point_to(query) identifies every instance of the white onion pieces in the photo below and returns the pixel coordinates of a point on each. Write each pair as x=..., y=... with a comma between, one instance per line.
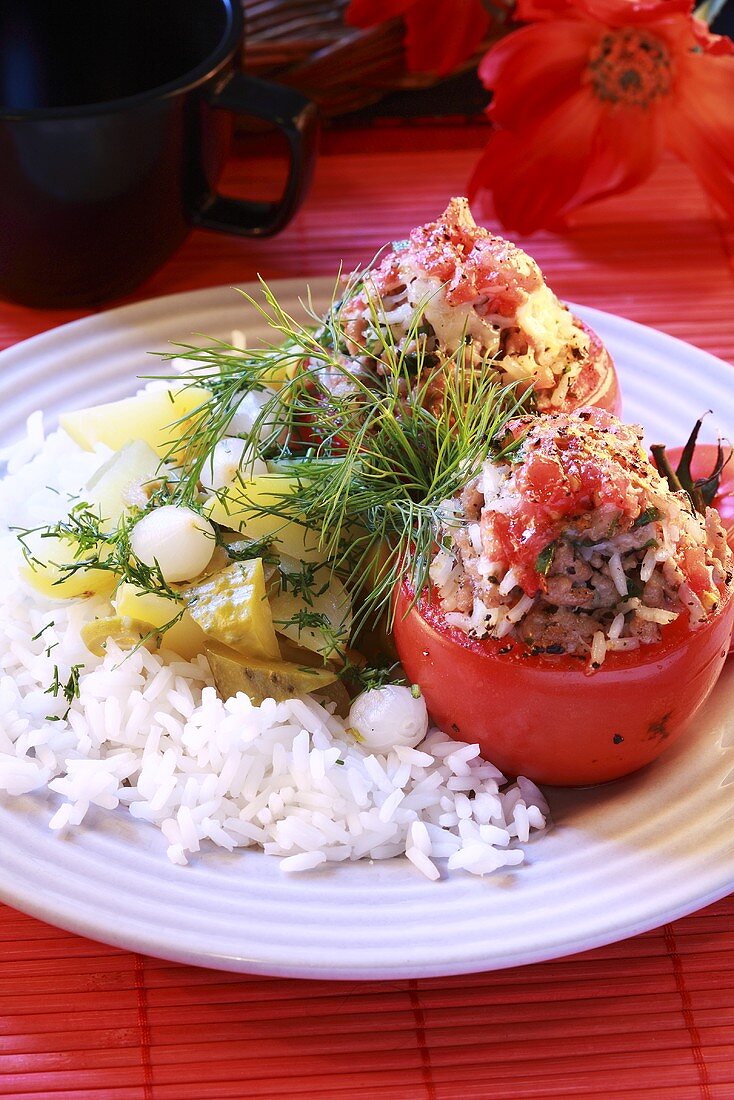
x=178, y=539
x=389, y=716
x=230, y=457
x=250, y=411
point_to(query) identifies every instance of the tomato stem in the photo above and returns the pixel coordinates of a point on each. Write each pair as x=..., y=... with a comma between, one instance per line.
x=702, y=490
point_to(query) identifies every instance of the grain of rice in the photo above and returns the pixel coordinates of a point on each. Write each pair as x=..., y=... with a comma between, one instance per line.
x=656, y=615
x=494, y=835
x=520, y=609
x=508, y=582
x=389, y=806
x=304, y=861
x=616, y=627
x=423, y=863
x=532, y=795
x=420, y=837
x=598, y=649
x=617, y=573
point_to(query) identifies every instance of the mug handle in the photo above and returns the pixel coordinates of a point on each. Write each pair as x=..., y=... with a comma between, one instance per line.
x=297, y=117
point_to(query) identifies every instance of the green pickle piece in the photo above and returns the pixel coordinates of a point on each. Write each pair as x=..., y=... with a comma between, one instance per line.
x=231, y=606
x=262, y=678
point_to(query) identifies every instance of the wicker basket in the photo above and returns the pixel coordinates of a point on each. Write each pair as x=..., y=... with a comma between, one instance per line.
x=305, y=43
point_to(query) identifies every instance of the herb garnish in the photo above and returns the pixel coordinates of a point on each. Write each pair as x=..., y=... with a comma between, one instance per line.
x=374, y=456
x=544, y=560
x=69, y=690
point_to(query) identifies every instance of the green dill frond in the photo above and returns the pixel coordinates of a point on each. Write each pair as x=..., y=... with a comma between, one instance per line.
x=379, y=431
x=68, y=689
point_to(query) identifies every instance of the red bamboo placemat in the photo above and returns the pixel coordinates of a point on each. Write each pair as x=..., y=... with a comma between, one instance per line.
x=650, y=1017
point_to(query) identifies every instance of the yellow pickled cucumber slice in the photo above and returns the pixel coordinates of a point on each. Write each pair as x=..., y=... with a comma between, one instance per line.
x=232, y=607
x=126, y=633
x=123, y=482
x=262, y=679
x=312, y=607
x=46, y=571
x=237, y=509
x=184, y=637
x=151, y=416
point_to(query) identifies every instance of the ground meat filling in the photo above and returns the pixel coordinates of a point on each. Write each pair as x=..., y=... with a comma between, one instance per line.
x=454, y=285
x=577, y=545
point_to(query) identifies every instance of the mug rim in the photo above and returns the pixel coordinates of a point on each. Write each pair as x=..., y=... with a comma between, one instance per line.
x=189, y=80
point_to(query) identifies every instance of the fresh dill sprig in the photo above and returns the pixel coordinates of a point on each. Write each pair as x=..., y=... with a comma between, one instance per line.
x=43, y=630
x=246, y=549
x=379, y=431
x=302, y=582
x=230, y=373
x=383, y=455
x=373, y=676
x=69, y=689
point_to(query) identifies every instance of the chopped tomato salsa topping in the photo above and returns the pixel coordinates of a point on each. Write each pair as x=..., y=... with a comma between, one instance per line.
x=471, y=261
x=569, y=467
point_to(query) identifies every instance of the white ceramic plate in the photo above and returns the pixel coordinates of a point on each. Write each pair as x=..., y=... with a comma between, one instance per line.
x=618, y=859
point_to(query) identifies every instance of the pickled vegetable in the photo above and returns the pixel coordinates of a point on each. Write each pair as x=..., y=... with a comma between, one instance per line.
x=262, y=679
x=231, y=607
x=238, y=508
x=126, y=633
x=47, y=571
x=123, y=482
x=152, y=416
x=184, y=637
x=311, y=606
x=335, y=693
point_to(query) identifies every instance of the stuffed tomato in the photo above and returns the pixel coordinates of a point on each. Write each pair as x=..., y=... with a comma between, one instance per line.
x=579, y=611
x=455, y=296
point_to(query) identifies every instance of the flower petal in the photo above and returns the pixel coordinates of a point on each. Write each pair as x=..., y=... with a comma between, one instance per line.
x=632, y=13
x=442, y=33
x=532, y=11
x=612, y=13
x=700, y=122
x=627, y=148
x=535, y=176
x=534, y=69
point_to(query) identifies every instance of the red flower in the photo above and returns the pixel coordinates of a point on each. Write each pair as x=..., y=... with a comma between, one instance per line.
x=439, y=34
x=589, y=93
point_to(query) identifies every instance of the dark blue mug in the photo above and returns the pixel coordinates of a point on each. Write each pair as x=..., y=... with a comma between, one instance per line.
x=116, y=118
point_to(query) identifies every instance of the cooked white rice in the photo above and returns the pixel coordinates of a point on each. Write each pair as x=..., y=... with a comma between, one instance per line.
x=148, y=733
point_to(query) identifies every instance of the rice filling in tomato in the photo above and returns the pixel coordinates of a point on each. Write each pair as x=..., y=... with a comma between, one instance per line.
x=576, y=544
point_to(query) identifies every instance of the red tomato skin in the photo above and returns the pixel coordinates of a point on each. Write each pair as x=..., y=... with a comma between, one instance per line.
x=546, y=717
x=598, y=384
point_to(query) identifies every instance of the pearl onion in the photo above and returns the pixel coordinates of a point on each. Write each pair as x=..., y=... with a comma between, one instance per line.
x=249, y=408
x=230, y=457
x=389, y=716
x=177, y=538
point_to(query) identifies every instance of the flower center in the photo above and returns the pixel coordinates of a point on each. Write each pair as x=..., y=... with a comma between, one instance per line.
x=630, y=67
